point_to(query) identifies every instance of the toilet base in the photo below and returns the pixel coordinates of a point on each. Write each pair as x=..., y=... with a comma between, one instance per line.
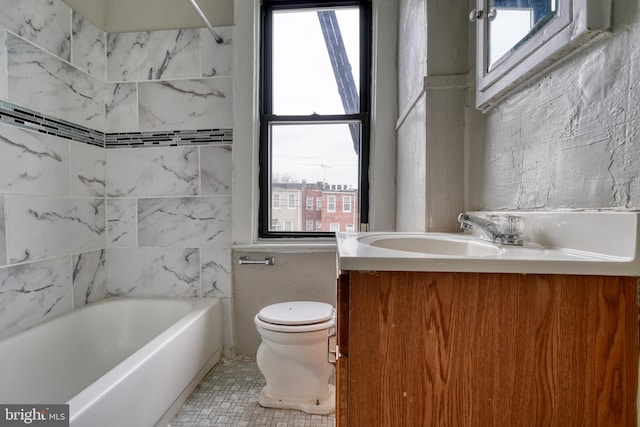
x=315, y=407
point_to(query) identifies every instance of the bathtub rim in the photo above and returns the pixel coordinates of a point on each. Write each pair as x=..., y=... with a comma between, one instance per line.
x=83, y=401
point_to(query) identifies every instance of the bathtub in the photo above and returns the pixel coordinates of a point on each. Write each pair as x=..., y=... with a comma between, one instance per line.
x=117, y=362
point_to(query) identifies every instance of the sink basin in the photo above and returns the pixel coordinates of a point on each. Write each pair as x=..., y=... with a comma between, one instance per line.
x=432, y=245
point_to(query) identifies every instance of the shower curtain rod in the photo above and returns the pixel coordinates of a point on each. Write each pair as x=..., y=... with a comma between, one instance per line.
x=206, y=21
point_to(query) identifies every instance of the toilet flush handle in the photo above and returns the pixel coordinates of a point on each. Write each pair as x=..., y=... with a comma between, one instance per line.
x=332, y=348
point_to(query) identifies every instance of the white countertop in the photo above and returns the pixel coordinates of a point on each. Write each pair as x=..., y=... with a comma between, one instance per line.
x=591, y=243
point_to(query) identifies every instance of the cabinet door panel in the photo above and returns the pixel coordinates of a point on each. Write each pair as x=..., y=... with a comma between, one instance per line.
x=438, y=349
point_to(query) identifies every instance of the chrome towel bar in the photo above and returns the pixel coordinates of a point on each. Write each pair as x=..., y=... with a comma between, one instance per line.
x=245, y=260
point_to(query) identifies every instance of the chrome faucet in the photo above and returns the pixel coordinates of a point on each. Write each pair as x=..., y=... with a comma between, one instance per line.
x=490, y=230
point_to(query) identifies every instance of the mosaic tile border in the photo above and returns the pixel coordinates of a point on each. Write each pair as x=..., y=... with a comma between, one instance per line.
x=32, y=120
x=169, y=138
x=28, y=119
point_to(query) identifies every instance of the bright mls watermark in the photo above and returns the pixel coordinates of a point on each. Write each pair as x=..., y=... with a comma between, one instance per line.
x=34, y=415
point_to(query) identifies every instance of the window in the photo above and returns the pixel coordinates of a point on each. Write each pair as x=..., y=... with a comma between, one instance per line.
x=309, y=225
x=274, y=224
x=318, y=226
x=331, y=203
x=292, y=201
x=349, y=228
x=334, y=226
x=288, y=226
x=346, y=203
x=314, y=103
x=276, y=202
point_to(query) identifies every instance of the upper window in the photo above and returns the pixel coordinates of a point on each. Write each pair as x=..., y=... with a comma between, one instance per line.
x=314, y=109
x=346, y=203
x=331, y=204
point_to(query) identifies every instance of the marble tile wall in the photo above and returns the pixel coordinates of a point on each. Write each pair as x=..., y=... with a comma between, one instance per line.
x=172, y=104
x=42, y=227
x=121, y=107
x=46, y=84
x=89, y=278
x=33, y=293
x=166, y=80
x=42, y=43
x=45, y=23
x=152, y=55
x=3, y=240
x=57, y=63
x=217, y=57
x=169, y=223
x=169, y=208
x=3, y=72
x=88, y=47
x=52, y=188
x=78, y=222
x=52, y=226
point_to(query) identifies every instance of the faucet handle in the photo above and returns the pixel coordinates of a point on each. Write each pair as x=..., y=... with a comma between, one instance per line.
x=465, y=226
x=512, y=225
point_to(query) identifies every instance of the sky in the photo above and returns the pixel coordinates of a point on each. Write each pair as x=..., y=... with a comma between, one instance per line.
x=303, y=84
x=506, y=30
x=509, y=26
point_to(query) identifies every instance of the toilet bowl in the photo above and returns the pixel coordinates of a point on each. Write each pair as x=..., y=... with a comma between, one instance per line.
x=293, y=356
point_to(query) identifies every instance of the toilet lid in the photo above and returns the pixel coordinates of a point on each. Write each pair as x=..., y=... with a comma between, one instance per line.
x=296, y=313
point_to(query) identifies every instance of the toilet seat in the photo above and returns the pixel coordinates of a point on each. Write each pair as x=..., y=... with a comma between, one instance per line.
x=296, y=316
x=296, y=313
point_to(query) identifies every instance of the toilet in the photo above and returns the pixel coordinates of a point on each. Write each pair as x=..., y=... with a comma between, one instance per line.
x=293, y=356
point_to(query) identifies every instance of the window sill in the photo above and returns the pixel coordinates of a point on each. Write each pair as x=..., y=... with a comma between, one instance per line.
x=289, y=246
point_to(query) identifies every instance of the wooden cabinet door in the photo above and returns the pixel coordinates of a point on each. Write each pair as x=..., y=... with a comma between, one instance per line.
x=466, y=349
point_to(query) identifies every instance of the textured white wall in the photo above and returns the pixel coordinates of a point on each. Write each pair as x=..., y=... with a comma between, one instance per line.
x=570, y=139
x=432, y=68
x=411, y=171
x=412, y=51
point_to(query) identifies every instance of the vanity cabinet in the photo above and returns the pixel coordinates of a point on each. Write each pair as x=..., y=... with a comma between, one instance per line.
x=484, y=349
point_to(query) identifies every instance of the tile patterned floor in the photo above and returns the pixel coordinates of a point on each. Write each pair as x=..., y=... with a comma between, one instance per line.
x=228, y=396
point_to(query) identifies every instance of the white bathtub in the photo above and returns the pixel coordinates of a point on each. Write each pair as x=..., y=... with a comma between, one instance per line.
x=118, y=362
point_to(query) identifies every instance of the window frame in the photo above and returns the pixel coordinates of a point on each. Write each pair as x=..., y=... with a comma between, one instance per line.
x=267, y=118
